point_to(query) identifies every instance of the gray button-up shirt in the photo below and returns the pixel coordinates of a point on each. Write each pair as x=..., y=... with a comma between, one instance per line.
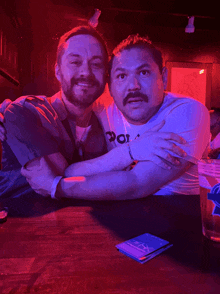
x=37, y=126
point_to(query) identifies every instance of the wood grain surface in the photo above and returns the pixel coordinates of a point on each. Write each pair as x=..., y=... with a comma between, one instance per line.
x=69, y=247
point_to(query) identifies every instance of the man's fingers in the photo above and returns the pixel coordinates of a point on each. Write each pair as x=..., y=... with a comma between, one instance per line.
x=167, y=157
x=172, y=136
x=33, y=165
x=173, y=147
x=25, y=172
x=158, y=161
x=165, y=135
x=176, y=149
x=157, y=127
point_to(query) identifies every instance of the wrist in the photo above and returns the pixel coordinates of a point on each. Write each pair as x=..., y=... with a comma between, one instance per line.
x=59, y=191
x=133, y=148
x=125, y=154
x=67, y=187
x=54, y=187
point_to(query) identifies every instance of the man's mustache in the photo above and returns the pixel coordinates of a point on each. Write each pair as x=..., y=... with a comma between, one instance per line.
x=135, y=95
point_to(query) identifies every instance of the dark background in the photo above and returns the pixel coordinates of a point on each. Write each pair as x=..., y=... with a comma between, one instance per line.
x=31, y=29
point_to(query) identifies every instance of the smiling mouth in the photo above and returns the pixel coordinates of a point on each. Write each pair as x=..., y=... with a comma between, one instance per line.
x=84, y=84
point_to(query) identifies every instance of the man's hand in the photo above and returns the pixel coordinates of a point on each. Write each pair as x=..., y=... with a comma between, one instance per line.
x=3, y=106
x=41, y=172
x=40, y=178
x=153, y=146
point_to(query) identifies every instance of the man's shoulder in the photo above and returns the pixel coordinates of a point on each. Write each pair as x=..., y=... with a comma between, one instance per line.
x=174, y=100
x=22, y=100
x=179, y=98
x=28, y=105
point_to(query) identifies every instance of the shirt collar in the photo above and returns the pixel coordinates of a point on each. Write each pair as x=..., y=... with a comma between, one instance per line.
x=59, y=106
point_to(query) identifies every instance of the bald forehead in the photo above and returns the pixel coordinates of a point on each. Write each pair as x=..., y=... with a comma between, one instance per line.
x=84, y=44
x=79, y=40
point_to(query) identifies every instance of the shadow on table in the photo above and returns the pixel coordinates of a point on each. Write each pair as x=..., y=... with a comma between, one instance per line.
x=173, y=218
x=30, y=205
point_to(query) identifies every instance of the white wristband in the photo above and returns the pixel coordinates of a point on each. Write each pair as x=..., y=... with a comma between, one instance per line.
x=54, y=186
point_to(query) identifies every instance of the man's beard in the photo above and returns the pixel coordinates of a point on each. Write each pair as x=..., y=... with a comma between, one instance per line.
x=84, y=100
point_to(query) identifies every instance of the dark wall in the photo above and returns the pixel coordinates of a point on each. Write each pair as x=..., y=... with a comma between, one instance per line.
x=202, y=46
x=43, y=22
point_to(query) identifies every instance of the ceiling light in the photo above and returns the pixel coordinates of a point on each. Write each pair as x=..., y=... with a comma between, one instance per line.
x=94, y=20
x=190, y=28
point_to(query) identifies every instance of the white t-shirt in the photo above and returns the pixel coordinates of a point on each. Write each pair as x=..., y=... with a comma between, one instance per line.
x=184, y=116
x=82, y=133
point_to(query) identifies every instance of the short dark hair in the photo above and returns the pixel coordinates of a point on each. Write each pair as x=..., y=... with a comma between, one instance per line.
x=80, y=30
x=136, y=41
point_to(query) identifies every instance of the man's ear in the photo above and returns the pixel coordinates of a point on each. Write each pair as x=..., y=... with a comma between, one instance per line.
x=165, y=77
x=57, y=72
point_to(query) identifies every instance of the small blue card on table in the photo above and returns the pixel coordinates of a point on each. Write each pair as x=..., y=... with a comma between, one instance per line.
x=144, y=247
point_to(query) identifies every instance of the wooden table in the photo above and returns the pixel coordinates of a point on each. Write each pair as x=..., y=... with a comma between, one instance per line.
x=48, y=246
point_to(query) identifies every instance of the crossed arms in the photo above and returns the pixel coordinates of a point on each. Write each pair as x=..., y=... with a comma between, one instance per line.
x=144, y=179
x=105, y=178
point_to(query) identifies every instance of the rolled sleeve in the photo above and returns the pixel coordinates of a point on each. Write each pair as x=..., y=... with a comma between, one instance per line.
x=26, y=135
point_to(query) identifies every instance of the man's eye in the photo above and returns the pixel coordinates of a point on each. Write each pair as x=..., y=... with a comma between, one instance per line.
x=75, y=62
x=97, y=65
x=121, y=76
x=144, y=72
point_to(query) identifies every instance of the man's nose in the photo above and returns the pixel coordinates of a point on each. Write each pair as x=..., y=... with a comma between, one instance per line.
x=85, y=70
x=133, y=84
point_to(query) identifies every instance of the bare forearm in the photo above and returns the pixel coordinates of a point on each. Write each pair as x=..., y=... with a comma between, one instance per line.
x=115, y=160
x=144, y=179
x=107, y=186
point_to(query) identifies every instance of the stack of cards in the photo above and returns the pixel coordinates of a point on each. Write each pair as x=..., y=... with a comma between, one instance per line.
x=143, y=247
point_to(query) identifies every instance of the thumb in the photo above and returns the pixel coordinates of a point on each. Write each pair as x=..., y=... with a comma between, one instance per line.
x=158, y=126
x=24, y=172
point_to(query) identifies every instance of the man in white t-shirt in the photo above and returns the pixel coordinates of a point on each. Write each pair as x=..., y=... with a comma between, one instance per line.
x=137, y=84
